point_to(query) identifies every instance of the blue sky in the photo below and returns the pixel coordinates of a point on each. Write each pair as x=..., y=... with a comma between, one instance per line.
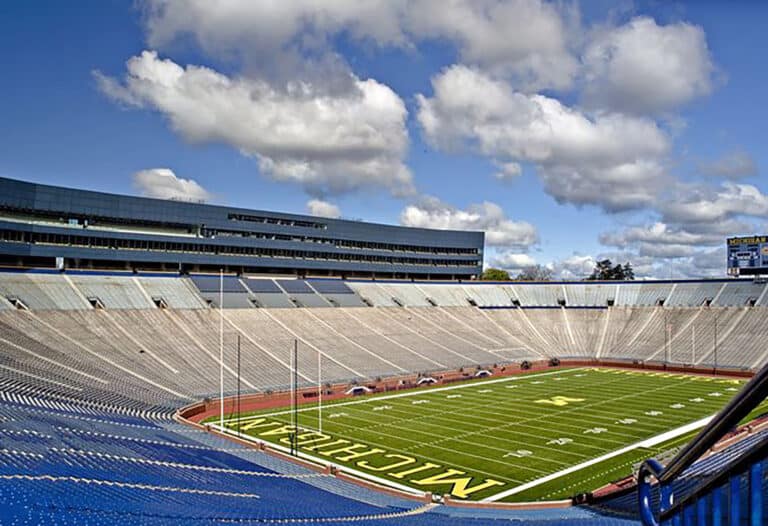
x=566, y=131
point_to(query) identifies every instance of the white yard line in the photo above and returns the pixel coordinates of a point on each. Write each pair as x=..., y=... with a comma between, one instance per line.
x=414, y=393
x=645, y=443
x=650, y=442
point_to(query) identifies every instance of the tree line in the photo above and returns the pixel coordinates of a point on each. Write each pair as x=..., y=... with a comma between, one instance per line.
x=604, y=270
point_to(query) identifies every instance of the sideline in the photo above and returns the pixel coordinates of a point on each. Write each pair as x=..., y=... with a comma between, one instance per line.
x=650, y=442
x=412, y=392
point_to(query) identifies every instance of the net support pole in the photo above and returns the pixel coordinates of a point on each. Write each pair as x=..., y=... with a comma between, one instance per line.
x=319, y=392
x=294, y=442
x=221, y=348
x=238, y=383
x=714, y=347
x=293, y=391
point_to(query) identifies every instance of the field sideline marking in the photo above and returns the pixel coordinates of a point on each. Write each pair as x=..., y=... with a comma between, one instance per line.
x=647, y=443
x=415, y=392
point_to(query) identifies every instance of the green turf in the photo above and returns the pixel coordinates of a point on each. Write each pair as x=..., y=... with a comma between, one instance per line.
x=506, y=431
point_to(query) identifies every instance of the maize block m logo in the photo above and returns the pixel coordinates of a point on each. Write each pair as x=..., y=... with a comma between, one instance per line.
x=559, y=401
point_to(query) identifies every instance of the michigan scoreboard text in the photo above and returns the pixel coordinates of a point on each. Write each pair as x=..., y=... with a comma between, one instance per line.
x=748, y=255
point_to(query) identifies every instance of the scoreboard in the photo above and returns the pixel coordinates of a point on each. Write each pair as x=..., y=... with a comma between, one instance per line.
x=747, y=255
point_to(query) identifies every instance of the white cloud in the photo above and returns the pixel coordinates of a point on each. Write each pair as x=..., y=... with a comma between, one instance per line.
x=162, y=183
x=573, y=267
x=500, y=231
x=224, y=27
x=512, y=262
x=683, y=242
x=699, y=264
x=320, y=208
x=642, y=67
x=328, y=143
x=708, y=263
x=278, y=40
x=508, y=171
x=733, y=165
x=659, y=234
x=609, y=160
x=712, y=206
x=527, y=40
x=689, y=239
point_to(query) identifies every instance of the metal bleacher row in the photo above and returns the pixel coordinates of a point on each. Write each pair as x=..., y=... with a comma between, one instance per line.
x=161, y=327
x=93, y=365
x=65, y=468
x=79, y=290
x=175, y=351
x=86, y=435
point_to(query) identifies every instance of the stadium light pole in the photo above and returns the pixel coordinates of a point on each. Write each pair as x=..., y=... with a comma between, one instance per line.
x=221, y=348
x=714, y=350
x=666, y=338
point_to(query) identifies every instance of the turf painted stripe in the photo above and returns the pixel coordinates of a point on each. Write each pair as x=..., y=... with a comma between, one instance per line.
x=643, y=444
x=414, y=392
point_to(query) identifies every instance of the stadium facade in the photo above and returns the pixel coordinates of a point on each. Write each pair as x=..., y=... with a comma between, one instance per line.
x=49, y=226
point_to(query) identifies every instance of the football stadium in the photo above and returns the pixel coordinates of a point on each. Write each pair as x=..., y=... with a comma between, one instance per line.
x=383, y=263
x=297, y=394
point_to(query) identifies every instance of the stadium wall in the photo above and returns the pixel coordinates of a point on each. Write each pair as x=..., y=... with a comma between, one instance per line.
x=40, y=223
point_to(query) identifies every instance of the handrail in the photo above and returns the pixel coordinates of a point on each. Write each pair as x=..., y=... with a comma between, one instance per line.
x=741, y=465
x=737, y=409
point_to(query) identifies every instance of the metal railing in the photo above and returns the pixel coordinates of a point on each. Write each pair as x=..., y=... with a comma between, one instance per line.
x=738, y=488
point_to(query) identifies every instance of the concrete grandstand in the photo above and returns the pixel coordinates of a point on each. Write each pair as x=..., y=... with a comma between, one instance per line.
x=95, y=364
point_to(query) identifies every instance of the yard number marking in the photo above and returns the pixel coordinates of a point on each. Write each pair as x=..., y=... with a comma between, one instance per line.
x=520, y=453
x=596, y=430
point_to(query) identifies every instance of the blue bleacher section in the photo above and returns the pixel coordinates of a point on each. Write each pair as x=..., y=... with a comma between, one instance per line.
x=134, y=469
x=294, y=286
x=210, y=283
x=262, y=286
x=329, y=286
x=58, y=467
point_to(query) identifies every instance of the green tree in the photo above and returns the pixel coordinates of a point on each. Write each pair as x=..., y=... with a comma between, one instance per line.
x=629, y=272
x=535, y=273
x=495, y=274
x=605, y=270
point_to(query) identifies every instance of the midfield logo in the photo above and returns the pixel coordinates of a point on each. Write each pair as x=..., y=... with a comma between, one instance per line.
x=560, y=401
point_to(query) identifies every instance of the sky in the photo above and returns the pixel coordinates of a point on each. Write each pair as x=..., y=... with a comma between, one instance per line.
x=569, y=132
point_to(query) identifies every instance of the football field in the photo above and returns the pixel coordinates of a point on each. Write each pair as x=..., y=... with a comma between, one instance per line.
x=537, y=436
